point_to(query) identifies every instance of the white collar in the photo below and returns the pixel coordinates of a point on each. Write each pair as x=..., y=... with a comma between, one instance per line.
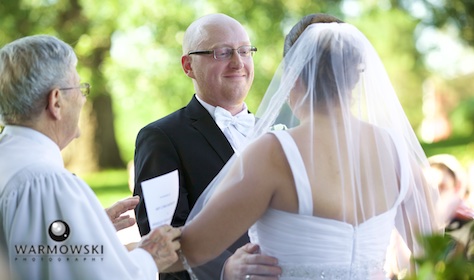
x=211, y=109
x=47, y=145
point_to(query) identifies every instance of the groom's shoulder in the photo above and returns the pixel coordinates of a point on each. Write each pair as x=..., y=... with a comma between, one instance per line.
x=172, y=120
x=175, y=120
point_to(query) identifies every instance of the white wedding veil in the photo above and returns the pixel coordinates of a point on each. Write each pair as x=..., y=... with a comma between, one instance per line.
x=361, y=155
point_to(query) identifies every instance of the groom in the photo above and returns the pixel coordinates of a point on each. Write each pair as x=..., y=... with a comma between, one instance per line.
x=200, y=138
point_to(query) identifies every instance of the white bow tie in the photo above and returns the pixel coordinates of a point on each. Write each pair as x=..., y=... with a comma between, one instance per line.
x=244, y=123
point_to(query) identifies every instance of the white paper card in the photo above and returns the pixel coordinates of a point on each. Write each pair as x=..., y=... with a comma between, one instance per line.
x=161, y=197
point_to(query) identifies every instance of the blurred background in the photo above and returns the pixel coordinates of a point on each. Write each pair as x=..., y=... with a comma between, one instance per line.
x=130, y=52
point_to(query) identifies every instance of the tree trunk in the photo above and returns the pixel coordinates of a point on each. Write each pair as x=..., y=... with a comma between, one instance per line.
x=105, y=143
x=96, y=148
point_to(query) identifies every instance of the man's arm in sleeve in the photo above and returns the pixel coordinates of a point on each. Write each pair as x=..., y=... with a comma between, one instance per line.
x=156, y=155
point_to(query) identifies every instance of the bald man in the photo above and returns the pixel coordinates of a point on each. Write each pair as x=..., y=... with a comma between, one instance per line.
x=197, y=141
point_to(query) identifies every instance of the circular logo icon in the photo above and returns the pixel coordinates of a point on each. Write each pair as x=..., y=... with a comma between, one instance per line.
x=59, y=230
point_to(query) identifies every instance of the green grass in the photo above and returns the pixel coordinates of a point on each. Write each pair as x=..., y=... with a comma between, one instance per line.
x=460, y=147
x=109, y=185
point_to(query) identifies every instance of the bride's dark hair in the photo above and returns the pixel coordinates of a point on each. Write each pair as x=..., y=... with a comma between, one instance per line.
x=320, y=69
x=296, y=31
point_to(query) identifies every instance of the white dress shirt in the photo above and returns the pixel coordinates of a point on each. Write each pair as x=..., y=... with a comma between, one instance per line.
x=51, y=222
x=236, y=137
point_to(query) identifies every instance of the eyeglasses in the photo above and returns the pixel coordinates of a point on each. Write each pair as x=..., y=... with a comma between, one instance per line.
x=225, y=53
x=84, y=87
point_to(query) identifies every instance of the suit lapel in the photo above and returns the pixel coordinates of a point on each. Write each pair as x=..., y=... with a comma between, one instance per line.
x=205, y=124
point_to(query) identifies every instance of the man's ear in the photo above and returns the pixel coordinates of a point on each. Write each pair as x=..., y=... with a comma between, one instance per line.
x=186, y=64
x=54, y=103
x=458, y=187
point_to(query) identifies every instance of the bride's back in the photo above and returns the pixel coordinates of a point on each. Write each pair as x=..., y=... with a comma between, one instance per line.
x=351, y=180
x=349, y=172
x=321, y=228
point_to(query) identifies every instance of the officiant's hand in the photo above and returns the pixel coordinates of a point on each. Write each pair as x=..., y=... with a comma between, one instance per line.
x=116, y=212
x=162, y=243
x=248, y=263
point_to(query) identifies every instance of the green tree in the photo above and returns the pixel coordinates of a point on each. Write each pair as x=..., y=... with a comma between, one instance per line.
x=91, y=41
x=130, y=52
x=459, y=13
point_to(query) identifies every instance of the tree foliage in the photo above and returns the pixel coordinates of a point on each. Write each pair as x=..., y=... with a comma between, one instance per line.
x=91, y=41
x=459, y=13
x=130, y=52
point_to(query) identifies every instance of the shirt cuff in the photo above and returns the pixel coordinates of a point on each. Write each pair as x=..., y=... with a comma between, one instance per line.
x=223, y=269
x=144, y=261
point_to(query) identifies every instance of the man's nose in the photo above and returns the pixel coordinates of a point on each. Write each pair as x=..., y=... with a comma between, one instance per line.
x=236, y=60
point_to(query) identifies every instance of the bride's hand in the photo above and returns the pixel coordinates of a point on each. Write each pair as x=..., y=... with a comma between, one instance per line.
x=248, y=263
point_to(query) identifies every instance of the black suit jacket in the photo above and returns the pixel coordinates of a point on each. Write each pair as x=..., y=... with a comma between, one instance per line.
x=190, y=141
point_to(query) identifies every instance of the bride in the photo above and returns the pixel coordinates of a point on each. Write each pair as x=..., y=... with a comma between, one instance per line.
x=336, y=180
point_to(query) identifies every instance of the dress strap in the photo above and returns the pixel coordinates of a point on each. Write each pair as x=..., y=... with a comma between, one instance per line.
x=404, y=167
x=303, y=188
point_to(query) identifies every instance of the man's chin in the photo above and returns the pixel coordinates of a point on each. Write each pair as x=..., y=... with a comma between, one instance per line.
x=238, y=94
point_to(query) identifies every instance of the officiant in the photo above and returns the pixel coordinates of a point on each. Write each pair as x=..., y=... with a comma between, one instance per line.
x=51, y=223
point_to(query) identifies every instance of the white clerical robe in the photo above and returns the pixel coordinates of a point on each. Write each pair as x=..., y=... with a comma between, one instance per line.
x=51, y=223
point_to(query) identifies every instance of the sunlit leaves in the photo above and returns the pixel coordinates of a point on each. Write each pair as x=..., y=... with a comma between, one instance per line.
x=445, y=257
x=131, y=50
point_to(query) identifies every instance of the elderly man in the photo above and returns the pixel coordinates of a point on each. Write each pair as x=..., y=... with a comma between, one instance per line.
x=51, y=223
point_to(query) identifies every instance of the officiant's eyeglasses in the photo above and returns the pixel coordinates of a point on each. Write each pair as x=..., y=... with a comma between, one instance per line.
x=226, y=53
x=85, y=88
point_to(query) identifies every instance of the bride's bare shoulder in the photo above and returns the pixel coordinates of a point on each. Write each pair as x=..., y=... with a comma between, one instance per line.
x=266, y=145
x=370, y=129
x=266, y=139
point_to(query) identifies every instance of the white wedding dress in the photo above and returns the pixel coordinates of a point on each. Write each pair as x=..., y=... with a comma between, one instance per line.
x=332, y=91
x=310, y=247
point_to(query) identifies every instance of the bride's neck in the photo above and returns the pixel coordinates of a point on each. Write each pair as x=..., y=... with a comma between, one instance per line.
x=335, y=114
